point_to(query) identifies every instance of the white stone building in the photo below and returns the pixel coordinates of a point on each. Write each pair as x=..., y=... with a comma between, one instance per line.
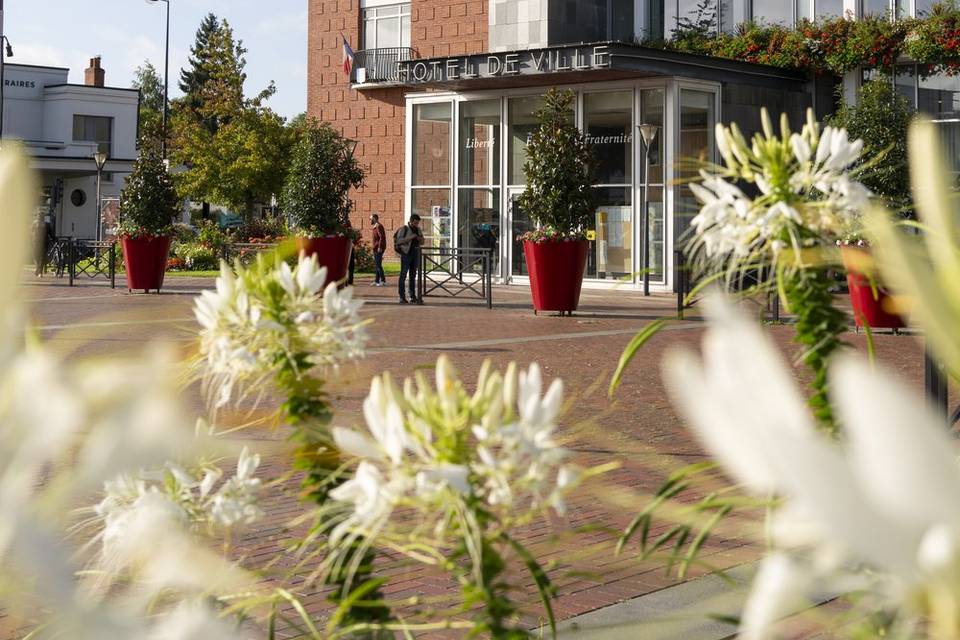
x=61, y=126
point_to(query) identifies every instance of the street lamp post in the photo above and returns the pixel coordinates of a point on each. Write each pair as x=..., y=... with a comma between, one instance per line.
x=7, y=52
x=100, y=158
x=166, y=77
x=648, y=132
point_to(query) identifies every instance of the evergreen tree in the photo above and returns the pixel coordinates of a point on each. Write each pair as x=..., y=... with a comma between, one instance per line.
x=234, y=148
x=194, y=76
x=148, y=82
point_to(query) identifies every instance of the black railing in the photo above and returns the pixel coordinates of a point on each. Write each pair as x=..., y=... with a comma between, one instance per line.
x=456, y=273
x=683, y=281
x=90, y=258
x=379, y=65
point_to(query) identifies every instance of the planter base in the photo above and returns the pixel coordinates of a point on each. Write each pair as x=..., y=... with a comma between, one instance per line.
x=871, y=305
x=333, y=252
x=556, y=274
x=146, y=262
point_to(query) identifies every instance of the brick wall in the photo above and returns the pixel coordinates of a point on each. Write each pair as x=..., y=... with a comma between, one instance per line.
x=375, y=118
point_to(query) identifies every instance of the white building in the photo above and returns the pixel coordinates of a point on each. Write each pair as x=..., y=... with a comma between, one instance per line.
x=61, y=126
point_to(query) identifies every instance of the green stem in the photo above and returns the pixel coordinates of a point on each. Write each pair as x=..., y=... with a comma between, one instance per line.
x=818, y=329
x=490, y=591
x=307, y=412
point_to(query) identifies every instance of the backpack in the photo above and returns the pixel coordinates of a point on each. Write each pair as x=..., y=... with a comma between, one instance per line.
x=396, y=238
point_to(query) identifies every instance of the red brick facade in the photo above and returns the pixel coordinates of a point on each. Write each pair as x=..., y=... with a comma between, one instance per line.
x=375, y=117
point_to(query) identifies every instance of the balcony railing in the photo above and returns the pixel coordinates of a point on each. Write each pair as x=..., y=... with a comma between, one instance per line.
x=379, y=65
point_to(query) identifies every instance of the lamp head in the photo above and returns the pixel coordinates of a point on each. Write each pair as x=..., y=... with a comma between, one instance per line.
x=9, y=49
x=101, y=159
x=648, y=132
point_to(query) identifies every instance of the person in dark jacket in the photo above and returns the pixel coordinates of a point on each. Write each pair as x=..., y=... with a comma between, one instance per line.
x=379, y=242
x=407, y=240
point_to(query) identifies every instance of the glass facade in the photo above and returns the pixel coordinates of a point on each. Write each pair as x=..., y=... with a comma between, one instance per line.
x=875, y=7
x=608, y=125
x=478, y=159
x=772, y=12
x=937, y=96
x=697, y=144
x=466, y=171
x=431, y=171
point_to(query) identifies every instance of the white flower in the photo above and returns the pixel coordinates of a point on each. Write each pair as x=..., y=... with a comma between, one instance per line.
x=236, y=500
x=804, y=184
x=896, y=474
x=373, y=499
x=267, y=317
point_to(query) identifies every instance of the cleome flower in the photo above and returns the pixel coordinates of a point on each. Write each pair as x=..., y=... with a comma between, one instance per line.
x=269, y=317
x=896, y=473
x=435, y=448
x=805, y=193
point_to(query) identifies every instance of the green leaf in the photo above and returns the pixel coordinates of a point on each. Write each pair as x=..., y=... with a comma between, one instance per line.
x=540, y=577
x=631, y=350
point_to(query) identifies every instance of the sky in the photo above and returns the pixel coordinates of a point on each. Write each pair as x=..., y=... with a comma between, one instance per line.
x=67, y=33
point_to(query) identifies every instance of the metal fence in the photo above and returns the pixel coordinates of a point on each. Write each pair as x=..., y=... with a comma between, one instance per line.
x=86, y=258
x=380, y=65
x=456, y=273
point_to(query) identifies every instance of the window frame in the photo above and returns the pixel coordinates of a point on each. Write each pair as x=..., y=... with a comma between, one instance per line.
x=370, y=14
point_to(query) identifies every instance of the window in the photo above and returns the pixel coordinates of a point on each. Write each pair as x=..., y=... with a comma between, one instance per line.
x=704, y=15
x=697, y=122
x=432, y=171
x=479, y=167
x=772, y=12
x=874, y=7
x=93, y=129
x=924, y=6
x=608, y=126
x=386, y=26
x=651, y=112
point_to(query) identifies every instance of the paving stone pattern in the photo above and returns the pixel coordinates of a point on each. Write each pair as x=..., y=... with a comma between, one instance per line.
x=638, y=428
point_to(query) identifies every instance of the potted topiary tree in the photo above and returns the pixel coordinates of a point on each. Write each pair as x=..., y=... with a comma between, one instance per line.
x=148, y=206
x=316, y=196
x=559, y=200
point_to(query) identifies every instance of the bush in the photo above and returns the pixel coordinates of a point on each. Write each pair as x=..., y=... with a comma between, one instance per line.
x=316, y=195
x=212, y=236
x=261, y=230
x=362, y=257
x=193, y=256
x=183, y=233
x=881, y=118
x=149, y=203
x=559, y=169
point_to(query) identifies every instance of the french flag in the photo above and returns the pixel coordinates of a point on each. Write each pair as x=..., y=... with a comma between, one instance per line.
x=347, y=57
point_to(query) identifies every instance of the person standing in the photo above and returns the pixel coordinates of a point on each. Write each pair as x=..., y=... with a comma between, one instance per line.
x=379, y=242
x=407, y=241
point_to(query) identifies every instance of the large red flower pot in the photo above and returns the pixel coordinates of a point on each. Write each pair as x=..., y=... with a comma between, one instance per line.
x=556, y=273
x=872, y=305
x=333, y=252
x=146, y=261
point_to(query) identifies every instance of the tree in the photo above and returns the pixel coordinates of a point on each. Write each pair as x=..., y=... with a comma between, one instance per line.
x=148, y=82
x=195, y=76
x=559, y=170
x=149, y=201
x=316, y=196
x=234, y=148
x=244, y=161
x=881, y=118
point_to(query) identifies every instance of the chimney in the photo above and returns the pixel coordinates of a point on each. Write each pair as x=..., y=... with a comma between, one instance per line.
x=93, y=76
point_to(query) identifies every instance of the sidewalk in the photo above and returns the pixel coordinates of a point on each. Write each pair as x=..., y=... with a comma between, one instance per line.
x=639, y=427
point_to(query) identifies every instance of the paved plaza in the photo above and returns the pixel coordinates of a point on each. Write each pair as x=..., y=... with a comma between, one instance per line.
x=638, y=428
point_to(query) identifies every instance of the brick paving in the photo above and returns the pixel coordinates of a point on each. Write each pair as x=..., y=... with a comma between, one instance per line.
x=638, y=428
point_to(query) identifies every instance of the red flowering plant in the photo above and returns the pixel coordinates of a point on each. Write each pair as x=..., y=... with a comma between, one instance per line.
x=935, y=40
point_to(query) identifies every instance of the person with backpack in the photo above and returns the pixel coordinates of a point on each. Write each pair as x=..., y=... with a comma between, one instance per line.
x=379, y=243
x=407, y=241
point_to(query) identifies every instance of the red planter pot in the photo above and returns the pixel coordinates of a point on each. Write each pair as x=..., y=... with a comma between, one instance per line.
x=146, y=261
x=333, y=252
x=871, y=306
x=556, y=273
